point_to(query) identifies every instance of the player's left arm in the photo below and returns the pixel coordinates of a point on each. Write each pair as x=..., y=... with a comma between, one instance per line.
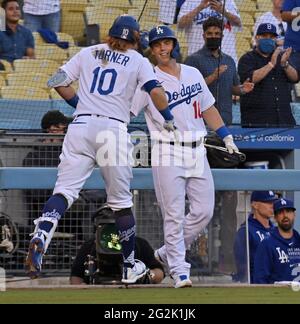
x=61, y=81
x=214, y=121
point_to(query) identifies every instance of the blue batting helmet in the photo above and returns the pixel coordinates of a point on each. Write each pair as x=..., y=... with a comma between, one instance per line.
x=164, y=32
x=124, y=27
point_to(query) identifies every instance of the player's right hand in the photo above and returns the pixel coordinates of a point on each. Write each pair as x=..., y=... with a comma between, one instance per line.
x=169, y=125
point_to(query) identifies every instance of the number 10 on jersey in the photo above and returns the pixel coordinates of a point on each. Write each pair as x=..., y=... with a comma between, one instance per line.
x=109, y=75
x=197, y=110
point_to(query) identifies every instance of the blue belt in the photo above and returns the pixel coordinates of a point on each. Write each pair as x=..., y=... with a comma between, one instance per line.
x=119, y=120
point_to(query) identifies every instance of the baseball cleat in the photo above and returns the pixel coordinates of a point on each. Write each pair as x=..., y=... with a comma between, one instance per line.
x=33, y=263
x=182, y=281
x=131, y=275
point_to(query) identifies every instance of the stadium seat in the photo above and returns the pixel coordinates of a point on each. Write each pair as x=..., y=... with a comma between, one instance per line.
x=11, y=92
x=121, y=4
x=2, y=81
x=245, y=33
x=73, y=50
x=36, y=80
x=247, y=6
x=38, y=66
x=264, y=5
x=52, y=52
x=100, y=15
x=247, y=19
x=64, y=37
x=7, y=66
x=38, y=39
x=257, y=15
x=72, y=20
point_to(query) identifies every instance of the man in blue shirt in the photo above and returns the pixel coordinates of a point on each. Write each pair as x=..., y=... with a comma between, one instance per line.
x=17, y=41
x=259, y=226
x=290, y=13
x=218, y=69
x=278, y=257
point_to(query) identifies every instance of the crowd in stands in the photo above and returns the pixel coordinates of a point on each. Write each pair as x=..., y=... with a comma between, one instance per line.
x=255, y=61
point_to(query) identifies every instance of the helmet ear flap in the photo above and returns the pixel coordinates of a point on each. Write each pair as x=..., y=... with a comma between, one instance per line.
x=176, y=50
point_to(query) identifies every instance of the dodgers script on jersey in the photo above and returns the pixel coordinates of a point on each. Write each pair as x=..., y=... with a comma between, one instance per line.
x=108, y=82
x=187, y=103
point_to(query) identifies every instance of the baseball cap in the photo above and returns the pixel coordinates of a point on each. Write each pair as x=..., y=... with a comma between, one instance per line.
x=263, y=196
x=283, y=204
x=266, y=28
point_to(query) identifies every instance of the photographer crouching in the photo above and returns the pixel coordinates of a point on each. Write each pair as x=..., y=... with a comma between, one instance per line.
x=99, y=260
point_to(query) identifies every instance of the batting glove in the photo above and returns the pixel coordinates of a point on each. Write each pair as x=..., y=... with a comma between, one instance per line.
x=169, y=125
x=229, y=143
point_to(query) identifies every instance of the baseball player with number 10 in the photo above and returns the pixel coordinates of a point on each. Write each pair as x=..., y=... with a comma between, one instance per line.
x=108, y=75
x=190, y=102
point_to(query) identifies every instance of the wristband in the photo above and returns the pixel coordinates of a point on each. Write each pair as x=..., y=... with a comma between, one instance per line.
x=271, y=64
x=223, y=131
x=73, y=101
x=166, y=113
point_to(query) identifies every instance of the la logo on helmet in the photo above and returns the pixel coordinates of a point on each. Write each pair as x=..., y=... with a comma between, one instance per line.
x=159, y=30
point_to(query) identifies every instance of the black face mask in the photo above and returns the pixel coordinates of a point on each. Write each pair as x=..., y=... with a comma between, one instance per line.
x=213, y=43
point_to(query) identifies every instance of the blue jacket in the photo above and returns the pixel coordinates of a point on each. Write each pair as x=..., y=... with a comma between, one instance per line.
x=277, y=259
x=257, y=233
x=292, y=36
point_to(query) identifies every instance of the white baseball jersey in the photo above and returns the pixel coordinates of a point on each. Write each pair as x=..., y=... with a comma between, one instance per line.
x=167, y=10
x=108, y=80
x=41, y=7
x=188, y=98
x=194, y=33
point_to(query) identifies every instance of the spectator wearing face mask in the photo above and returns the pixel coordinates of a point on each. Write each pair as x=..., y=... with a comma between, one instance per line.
x=272, y=71
x=273, y=17
x=218, y=69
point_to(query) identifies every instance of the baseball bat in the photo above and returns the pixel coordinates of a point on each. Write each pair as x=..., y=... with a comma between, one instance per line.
x=242, y=156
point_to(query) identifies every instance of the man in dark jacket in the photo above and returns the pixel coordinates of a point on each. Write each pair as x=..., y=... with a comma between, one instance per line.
x=278, y=257
x=259, y=226
x=273, y=72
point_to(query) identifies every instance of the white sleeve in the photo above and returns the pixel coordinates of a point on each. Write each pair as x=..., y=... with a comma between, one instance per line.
x=167, y=9
x=146, y=72
x=206, y=98
x=232, y=8
x=140, y=101
x=72, y=67
x=187, y=7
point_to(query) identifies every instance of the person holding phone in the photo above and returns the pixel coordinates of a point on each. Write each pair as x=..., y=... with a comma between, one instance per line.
x=194, y=13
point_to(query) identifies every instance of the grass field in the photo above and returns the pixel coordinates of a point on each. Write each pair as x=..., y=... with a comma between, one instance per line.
x=153, y=296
